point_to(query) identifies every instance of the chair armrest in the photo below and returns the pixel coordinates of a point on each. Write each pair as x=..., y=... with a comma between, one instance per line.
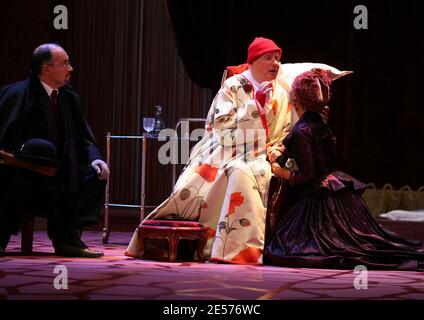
x=9, y=159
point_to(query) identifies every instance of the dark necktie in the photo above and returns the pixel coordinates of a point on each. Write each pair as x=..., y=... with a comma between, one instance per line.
x=55, y=117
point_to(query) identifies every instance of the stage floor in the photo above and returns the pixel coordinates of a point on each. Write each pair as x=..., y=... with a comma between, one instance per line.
x=116, y=277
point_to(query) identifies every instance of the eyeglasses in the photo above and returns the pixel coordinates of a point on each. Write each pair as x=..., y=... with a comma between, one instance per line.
x=65, y=64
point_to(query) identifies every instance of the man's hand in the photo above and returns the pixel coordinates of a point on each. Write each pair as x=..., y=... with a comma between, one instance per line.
x=101, y=168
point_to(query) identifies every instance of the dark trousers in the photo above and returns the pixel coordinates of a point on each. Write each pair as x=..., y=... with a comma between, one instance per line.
x=67, y=212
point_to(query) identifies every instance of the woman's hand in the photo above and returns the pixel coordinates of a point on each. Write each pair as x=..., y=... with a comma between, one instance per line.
x=282, y=173
x=274, y=153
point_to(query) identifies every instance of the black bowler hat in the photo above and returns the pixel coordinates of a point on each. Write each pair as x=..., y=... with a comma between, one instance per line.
x=38, y=151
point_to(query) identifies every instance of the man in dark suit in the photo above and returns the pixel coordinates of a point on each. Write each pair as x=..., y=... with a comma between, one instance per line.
x=44, y=106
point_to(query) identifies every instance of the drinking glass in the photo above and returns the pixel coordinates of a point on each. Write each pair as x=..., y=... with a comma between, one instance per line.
x=148, y=125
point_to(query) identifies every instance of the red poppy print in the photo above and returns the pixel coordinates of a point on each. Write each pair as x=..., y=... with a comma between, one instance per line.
x=210, y=233
x=207, y=172
x=248, y=255
x=236, y=200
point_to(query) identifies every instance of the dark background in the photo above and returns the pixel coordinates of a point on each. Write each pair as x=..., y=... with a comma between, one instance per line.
x=131, y=55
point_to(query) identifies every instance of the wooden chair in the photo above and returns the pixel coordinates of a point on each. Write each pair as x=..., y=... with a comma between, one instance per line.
x=27, y=220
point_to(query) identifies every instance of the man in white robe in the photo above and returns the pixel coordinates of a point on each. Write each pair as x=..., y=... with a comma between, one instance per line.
x=225, y=184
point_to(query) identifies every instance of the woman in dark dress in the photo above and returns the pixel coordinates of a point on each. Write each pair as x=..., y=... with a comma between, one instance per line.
x=324, y=222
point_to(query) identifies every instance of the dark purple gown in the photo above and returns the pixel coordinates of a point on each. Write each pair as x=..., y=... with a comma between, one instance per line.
x=322, y=219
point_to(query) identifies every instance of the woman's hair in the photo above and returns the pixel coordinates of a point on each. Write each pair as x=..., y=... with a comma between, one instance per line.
x=312, y=90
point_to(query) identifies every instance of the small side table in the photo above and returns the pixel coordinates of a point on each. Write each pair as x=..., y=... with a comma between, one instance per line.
x=142, y=205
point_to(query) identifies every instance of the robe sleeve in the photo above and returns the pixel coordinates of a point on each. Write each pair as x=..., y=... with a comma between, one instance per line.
x=92, y=151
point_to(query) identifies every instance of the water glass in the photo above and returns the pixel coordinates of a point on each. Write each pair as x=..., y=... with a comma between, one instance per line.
x=148, y=124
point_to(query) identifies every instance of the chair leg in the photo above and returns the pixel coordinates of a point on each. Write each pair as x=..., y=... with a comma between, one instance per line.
x=27, y=234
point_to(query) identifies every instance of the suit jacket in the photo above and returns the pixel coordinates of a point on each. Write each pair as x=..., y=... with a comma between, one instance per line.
x=25, y=113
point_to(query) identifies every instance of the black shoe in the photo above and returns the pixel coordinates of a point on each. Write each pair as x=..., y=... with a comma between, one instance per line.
x=70, y=251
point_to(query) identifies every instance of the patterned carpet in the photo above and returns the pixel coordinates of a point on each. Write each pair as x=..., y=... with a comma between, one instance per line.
x=116, y=277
